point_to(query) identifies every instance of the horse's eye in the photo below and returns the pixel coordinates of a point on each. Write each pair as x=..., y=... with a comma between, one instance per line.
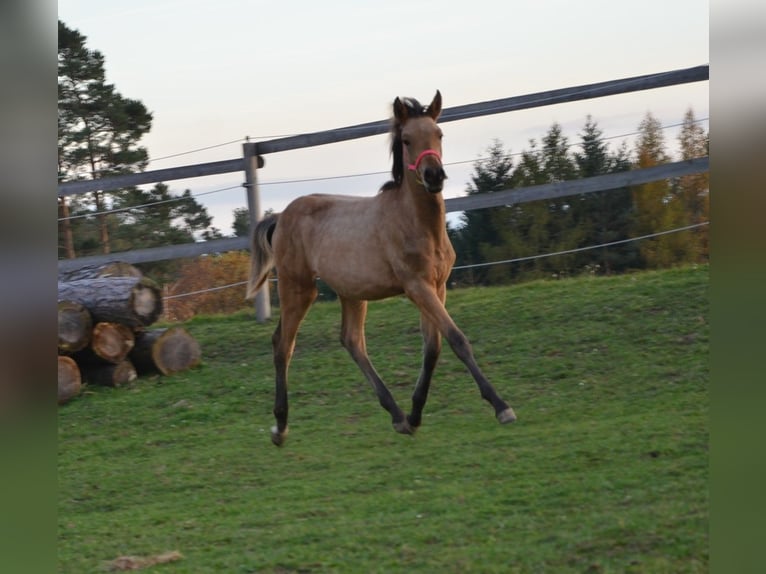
x=406, y=142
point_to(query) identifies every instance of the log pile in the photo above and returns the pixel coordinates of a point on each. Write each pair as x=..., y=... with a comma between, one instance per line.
x=104, y=314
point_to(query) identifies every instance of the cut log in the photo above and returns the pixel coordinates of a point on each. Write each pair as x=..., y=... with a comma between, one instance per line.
x=111, y=269
x=165, y=350
x=70, y=380
x=132, y=301
x=112, y=375
x=109, y=343
x=75, y=326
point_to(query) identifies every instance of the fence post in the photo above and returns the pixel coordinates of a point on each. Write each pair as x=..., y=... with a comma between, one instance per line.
x=252, y=162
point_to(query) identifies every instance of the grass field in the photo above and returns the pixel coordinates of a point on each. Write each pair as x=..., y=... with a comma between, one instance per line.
x=606, y=469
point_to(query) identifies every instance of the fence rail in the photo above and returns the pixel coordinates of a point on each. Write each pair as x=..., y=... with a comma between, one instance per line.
x=539, y=99
x=478, y=201
x=253, y=151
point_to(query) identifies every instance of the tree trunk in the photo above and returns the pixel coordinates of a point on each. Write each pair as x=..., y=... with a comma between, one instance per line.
x=66, y=227
x=111, y=375
x=132, y=301
x=75, y=327
x=109, y=343
x=111, y=269
x=70, y=382
x=165, y=350
x=102, y=223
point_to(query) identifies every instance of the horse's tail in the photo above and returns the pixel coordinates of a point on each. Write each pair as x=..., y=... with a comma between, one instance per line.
x=261, y=254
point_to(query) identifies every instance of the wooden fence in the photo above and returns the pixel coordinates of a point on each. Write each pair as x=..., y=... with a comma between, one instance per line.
x=252, y=159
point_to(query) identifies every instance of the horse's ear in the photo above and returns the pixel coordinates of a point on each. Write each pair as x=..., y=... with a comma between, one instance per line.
x=400, y=111
x=435, y=109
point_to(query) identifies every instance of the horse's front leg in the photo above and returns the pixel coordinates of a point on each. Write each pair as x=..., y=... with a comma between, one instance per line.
x=426, y=298
x=432, y=345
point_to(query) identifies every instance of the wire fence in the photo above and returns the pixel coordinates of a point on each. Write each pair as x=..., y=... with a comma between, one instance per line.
x=491, y=263
x=324, y=178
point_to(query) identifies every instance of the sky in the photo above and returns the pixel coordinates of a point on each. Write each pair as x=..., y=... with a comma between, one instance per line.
x=214, y=73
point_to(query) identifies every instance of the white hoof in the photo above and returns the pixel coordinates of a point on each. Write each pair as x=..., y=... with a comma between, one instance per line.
x=506, y=416
x=277, y=437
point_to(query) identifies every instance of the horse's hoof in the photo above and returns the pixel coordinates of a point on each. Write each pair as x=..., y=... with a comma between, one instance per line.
x=404, y=427
x=506, y=416
x=278, y=438
x=414, y=424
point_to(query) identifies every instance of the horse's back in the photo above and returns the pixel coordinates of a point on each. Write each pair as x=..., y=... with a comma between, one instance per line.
x=335, y=238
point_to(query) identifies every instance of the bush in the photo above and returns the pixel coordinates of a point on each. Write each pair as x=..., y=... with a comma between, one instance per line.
x=210, y=284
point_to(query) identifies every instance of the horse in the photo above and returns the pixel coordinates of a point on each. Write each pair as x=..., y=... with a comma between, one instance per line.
x=371, y=248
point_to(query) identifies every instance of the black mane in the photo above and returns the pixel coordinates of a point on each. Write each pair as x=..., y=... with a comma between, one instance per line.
x=414, y=110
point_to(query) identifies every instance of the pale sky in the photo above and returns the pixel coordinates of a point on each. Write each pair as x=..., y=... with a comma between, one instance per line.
x=215, y=72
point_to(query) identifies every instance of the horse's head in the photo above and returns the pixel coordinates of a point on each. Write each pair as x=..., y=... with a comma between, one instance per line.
x=417, y=143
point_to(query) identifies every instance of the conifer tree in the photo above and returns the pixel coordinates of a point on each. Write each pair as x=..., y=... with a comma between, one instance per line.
x=99, y=136
x=478, y=232
x=524, y=228
x=604, y=216
x=99, y=130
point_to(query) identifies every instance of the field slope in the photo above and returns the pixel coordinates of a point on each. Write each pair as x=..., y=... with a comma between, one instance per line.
x=605, y=471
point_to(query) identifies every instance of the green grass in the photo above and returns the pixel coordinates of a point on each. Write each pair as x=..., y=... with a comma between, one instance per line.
x=605, y=471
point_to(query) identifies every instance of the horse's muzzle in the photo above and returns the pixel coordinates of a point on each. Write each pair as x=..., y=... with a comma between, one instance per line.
x=433, y=178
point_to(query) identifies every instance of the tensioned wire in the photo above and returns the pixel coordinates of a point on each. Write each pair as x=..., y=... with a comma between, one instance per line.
x=330, y=178
x=490, y=263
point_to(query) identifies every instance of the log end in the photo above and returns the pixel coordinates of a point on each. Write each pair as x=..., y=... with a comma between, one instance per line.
x=74, y=327
x=167, y=351
x=112, y=341
x=178, y=352
x=69, y=379
x=147, y=301
x=110, y=375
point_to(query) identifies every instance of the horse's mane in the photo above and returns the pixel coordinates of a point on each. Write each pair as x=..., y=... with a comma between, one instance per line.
x=414, y=110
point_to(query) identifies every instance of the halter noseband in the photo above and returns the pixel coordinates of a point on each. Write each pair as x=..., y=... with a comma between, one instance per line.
x=424, y=153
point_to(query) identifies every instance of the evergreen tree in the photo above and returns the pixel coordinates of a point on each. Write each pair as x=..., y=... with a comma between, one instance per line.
x=563, y=231
x=99, y=129
x=523, y=228
x=241, y=223
x=478, y=231
x=158, y=217
x=538, y=227
x=556, y=160
x=603, y=216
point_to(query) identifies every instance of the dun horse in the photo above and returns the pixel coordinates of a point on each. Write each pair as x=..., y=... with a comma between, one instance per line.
x=369, y=248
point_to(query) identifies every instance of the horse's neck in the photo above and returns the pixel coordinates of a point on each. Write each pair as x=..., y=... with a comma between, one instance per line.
x=427, y=210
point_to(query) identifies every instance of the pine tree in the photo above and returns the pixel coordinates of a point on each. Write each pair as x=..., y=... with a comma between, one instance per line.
x=99, y=129
x=478, y=232
x=604, y=216
x=564, y=231
x=159, y=217
x=524, y=228
x=556, y=160
x=241, y=223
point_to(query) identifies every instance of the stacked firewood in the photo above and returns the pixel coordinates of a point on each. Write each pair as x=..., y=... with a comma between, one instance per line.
x=103, y=337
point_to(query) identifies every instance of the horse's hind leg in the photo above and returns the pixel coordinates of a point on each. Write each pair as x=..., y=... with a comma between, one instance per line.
x=352, y=338
x=432, y=345
x=294, y=301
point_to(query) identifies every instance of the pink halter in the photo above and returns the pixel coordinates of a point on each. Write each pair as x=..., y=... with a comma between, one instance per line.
x=424, y=153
